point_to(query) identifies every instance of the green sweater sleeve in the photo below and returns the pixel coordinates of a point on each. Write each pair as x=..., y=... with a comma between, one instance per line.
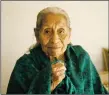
x=97, y=84
x=27, y=79
x=91, y=77
x=98, y=87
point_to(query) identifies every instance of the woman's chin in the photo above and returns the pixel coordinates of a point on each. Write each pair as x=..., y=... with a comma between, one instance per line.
x=54, y=53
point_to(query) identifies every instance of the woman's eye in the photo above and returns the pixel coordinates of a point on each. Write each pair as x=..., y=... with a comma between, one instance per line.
x=61, y=31
x=47, y=31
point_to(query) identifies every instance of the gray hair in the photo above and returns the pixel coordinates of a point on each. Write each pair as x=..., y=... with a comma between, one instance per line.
x=54, y=10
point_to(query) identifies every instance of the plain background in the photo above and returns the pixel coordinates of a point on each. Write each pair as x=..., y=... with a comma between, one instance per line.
x=89, y=23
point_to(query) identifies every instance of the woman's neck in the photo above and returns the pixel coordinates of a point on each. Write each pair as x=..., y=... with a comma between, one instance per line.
x=61, y=57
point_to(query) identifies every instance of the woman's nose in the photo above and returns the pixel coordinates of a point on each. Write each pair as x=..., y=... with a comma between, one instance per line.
x=54, y=38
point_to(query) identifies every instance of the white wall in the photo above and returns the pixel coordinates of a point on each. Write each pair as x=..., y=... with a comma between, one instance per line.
x=89, y=22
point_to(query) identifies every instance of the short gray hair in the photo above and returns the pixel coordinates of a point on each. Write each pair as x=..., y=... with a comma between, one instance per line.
x=55, y=10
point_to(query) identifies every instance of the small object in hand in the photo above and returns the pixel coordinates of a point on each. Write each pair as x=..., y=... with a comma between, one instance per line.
x=57, y=61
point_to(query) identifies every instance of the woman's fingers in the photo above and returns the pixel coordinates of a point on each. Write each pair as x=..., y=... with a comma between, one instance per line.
x=58, y=78
x=61, y=72
x=61, y=77
x=58, y=67
x=58, y=72
x=57, y=64
x=57, y=81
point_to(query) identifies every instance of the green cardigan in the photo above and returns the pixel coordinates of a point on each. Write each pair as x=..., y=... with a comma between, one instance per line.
x=32, y=74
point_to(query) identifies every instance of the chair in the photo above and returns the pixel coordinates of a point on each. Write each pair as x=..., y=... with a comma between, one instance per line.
x=106, y=58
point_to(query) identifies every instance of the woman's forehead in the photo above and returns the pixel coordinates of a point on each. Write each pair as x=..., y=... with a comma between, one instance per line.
x=50, y=19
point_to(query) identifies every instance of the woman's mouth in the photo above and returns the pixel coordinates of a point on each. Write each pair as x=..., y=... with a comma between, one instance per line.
x=54, y=47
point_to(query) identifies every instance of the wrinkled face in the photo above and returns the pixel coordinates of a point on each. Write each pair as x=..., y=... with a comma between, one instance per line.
x=54, y=35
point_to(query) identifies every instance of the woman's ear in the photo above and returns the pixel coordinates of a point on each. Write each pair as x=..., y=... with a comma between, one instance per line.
x=70, y=30
x=35, y=31
x=36, y=34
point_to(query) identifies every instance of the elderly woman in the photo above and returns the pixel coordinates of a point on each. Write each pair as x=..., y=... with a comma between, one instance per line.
x=54, y=65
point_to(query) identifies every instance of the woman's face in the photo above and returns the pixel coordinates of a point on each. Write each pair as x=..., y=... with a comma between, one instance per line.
x=54, y=35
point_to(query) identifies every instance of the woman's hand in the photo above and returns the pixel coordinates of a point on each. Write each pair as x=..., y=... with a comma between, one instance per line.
x=58, y=74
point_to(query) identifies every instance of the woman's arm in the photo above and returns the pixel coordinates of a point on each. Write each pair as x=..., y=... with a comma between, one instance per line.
x=27, y=79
